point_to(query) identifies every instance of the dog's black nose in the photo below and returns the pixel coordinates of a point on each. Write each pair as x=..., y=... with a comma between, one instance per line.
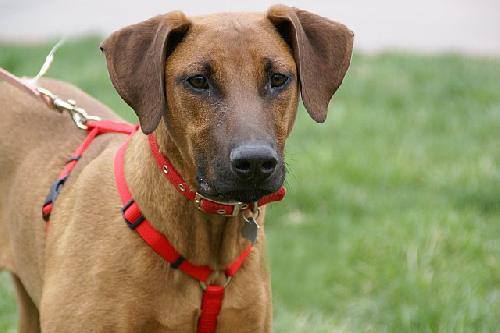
x=253, y=161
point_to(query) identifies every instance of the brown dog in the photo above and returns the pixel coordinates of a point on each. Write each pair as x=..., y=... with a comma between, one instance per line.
x=226, y=87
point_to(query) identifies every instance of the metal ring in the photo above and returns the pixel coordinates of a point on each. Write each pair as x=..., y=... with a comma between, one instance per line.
x=203, y=285
x=181, y=187
x=165, y=169
x=255, y=216
x=256, y=208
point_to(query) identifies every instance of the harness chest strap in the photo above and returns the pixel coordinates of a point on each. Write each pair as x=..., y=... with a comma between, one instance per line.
x=210, y=308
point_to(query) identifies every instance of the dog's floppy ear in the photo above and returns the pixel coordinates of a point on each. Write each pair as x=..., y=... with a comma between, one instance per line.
x=322, y=50
x=136, y=57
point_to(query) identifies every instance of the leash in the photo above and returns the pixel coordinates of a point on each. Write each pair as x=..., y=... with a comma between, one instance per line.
x=213, y=295
x=78, y=115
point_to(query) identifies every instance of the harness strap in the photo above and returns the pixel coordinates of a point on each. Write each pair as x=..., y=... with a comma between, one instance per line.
x=156, y=240
x=213, y=295
x=210, y=308
x=94, y=128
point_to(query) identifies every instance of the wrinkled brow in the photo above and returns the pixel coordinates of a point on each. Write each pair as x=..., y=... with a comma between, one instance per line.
x=203, y=67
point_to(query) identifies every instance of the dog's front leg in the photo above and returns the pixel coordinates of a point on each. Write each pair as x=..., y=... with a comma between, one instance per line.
x=28, y=321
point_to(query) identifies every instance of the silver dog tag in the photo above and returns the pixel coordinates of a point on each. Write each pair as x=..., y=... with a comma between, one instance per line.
x=250, y=229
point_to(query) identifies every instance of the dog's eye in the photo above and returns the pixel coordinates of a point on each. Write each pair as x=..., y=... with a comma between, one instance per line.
x=198, y=82
x=278, y=80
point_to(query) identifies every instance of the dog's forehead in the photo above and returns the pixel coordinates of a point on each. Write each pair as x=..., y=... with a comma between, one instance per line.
x=228, y=36
x=227, y=22
x=232, y=27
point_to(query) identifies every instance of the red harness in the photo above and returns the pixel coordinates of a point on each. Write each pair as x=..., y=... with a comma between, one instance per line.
x=212, y=294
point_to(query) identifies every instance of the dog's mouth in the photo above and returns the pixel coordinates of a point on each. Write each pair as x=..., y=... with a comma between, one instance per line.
x=246, y=194
x=243, y=196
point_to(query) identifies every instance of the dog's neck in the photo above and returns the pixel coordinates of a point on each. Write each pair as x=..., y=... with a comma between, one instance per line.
x=203, y=239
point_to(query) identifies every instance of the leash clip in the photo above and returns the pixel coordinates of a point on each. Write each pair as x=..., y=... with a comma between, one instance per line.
x=79, y=115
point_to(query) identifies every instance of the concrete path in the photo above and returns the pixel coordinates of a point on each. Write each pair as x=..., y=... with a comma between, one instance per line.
x=470, y=26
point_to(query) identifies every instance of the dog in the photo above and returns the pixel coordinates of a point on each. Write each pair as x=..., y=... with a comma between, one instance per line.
x=220, y=93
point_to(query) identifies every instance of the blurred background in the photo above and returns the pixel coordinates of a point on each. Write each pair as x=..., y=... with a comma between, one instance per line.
x=443, y=25
x=392, y=218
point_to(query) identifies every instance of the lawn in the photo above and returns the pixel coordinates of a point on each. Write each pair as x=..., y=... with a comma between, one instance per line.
x=392, y=218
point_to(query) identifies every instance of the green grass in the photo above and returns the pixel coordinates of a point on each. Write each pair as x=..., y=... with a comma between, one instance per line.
x=7, y=305
x=392, y=218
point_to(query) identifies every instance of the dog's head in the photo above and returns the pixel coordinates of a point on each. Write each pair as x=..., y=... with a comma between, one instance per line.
x=227, y=87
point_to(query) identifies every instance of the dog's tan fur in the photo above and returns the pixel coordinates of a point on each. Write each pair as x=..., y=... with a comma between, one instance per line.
x=89, y=272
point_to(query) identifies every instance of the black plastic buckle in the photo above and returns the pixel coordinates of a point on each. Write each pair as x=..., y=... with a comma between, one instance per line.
x=177, y=262
x=74, y=158
x=55, y=188
x=134, y=224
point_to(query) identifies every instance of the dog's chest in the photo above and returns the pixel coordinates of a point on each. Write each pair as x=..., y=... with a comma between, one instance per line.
x=176, y=307
x=147, y=295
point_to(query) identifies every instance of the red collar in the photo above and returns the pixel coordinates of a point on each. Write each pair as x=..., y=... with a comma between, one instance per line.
x=204, y=204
